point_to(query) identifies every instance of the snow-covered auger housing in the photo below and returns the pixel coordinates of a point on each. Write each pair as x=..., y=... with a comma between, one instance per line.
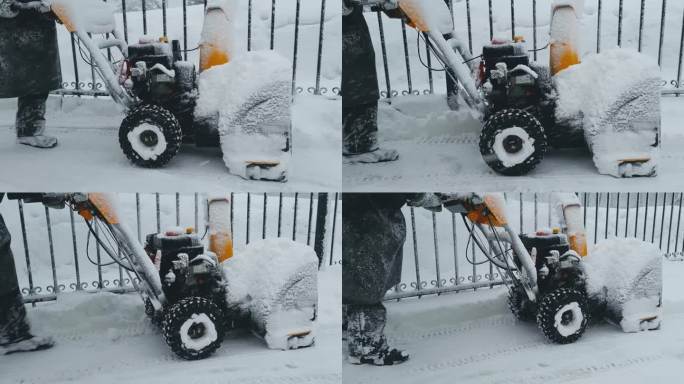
x=163, y=96
x=195, y=292
x=609, y=102
x=551, y=278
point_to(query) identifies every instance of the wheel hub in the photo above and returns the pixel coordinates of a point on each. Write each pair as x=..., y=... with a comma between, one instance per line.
x=512, y=144
x=567, y=317
x=196, y=330
x=149, y=138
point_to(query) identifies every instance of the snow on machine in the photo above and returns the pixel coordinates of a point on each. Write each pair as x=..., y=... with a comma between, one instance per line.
x=610, y=102
x=554, y=280
x=194, y=294
x=246, y=108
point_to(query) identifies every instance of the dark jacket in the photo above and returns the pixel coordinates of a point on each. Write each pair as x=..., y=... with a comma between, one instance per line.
x=373, y=235
x=29, y=55
x=359, y=76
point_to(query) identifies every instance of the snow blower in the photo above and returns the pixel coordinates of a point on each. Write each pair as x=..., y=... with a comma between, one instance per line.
x=162, y=94
x=610, y=102
x=548, y=274
x=195, y=294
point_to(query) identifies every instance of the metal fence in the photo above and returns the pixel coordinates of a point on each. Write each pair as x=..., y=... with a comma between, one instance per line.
x=52, y=248
x=140, y=17
x=479, y=21
x=439, y=257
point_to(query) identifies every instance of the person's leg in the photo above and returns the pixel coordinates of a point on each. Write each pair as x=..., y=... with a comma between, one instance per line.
x=30, y=122
x=15, y=335
x=360, y=135
x=366, y=339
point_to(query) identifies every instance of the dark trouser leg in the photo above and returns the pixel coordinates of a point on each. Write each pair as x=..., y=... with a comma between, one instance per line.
x=31, y=115
x=360, y=128
x=365, y=329
x=13, y=323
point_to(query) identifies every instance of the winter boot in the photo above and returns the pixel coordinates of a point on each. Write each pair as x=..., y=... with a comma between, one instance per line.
x=39, y=141
x=377, y=156
x=360, y=136
x=15, y=335
x=366, y=342
x=30, y=122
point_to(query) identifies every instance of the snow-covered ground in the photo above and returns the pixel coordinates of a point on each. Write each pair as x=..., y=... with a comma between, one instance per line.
x=471, y=337
x=439, y=147
x=89, y=156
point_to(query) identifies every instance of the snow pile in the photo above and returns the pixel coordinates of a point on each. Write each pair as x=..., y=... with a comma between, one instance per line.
x=274, y=283
x=626, y=276
x=428, y=14
x=85, y=15
x=251, y=96
x=615, y=98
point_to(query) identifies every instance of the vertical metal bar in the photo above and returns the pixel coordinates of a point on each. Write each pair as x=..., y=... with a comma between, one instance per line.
x=415, y=249
x=164, y=16
x=320, y=49
x=273, y=12
x=296, y=44
x=308, y=229
x=627, y=218
x=662, y=32
x=22, y=221
x=384, y=54
x=655, y=214
x=263, y=220
x=99, y=259
x=294, y=220
x=536, y=211
x=534, y=28
x=249, y=25
x=617, y=214
x=434, y=238
x=596, y=208
x=470, y=26
x=280, y=212
x=125, y=19
x=73, y=242
x=232, y=213
x=137, y=216
x=455, y=242
x=619, y=36
x=607, y=210
x=679, y=218
x=584, y=204
x=73, y=53
x=429, y=62
x=197, y=211
x=669, y=226
x=406, y=57
x=334, y=224
x=636, y=215
x=185, y=30
x=513, y=20
x=598, y=26
x=681, y=52
x=642, y=13
x=156, y=197
x=249, y=200
x=662, y=221
x=521, y=212
x=491, y=21
x=643, y=238
x=52, y=251
x=177, y=209
x=144, y=12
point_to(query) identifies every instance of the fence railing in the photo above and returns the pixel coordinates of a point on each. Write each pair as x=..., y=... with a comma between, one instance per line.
x=439, y=256
x=54, y=253
x=182, y=20
x=406, y=68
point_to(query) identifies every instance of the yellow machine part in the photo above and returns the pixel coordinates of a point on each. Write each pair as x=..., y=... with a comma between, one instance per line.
x=104, y=205
x=563, y=51
x=415, y=19
x=222, y=245
x=563, y=55
x=215, y=34
x=60, y=10
x=491, y=212
x=220, y=231
x=578, y=243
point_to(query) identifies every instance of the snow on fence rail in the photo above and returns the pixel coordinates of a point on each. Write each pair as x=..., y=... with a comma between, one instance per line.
x=54, y=254
x=439, y=256
x=654, y=27
x=307, y=31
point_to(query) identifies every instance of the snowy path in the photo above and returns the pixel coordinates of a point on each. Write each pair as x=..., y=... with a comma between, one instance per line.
x=105, y=338
x=89, y=155
x=445, y=156
x=472, y=338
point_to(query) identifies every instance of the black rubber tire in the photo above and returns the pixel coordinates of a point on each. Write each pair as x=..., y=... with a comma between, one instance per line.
x=507, y=118
x=177, y=314
x=159, y=117
x=521, y=308
x=553, y=302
